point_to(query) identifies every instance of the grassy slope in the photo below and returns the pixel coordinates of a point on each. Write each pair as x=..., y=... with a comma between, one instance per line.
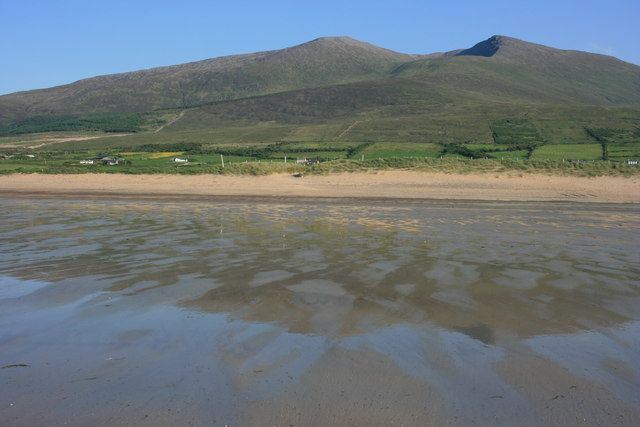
x=361, y=120
x=317, y=63
x=528, y=72
x=516, y=94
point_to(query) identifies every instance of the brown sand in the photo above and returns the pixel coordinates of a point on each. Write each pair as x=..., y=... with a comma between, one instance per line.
x=388, y=184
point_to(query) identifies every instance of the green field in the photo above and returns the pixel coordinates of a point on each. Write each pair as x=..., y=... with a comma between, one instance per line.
x=522, y=147
x=399, y=149
x=319, y=155
x=622, y=152
x=516, y=131
x=568, y=152
x=161, y=162
x=318, y=145
x=514, y=155
x=620, y=144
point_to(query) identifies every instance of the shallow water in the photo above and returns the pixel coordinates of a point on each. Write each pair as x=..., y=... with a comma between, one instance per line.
x=318, y=312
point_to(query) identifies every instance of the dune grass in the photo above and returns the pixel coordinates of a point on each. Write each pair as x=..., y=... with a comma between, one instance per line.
x=211, y=164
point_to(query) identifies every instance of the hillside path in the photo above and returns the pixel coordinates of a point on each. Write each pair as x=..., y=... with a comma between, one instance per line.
x=344, y=132
x=170, y=122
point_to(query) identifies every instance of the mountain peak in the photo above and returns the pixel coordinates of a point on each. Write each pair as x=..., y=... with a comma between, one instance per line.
x=512, y=49
x=489, y=47
x=336, y=39
x=343, y=41
x=500, y=39
x=347, y=46
x=335, y=42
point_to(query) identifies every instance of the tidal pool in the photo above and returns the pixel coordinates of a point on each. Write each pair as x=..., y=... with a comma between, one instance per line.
x=318, y=312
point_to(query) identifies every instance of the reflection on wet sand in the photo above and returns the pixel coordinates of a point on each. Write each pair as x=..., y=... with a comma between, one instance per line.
x=236, y=312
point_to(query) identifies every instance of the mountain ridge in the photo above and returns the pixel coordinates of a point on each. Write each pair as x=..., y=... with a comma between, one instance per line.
x=476, y=50
x=331, y=77
x=327, y=60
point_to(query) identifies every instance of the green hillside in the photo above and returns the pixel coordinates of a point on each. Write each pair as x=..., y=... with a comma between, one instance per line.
x=320, y=62
x=502, y=98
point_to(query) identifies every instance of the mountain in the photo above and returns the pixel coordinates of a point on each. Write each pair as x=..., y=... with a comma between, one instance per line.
x=513, y=68
x=320, y=62
x=317, y=89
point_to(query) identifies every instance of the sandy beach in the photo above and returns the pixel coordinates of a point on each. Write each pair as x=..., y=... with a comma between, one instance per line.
x=387, y=184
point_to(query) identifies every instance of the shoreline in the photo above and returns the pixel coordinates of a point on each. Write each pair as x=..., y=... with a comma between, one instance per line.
x=380, y=185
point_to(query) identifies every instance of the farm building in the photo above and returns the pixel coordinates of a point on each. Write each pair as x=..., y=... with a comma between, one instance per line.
x=111, y=161
x=86, y=162
x=307, y=162
x=179, y=160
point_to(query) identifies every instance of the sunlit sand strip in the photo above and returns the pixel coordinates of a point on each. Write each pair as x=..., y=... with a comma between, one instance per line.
x=388, y=184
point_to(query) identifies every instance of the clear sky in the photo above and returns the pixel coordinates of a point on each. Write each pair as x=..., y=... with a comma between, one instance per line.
x=47, y=43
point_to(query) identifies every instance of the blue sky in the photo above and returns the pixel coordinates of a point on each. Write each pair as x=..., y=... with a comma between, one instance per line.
x=47, y=43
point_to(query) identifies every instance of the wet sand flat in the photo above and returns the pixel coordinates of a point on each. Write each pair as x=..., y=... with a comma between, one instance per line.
x=387, y=184
x=318, y=312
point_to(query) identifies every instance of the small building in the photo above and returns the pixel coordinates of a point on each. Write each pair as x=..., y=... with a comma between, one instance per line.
x=307, y=162
x=31, y=156
x=633, y=162
x=111, y=161
x=179, y=160
x=86, y=162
